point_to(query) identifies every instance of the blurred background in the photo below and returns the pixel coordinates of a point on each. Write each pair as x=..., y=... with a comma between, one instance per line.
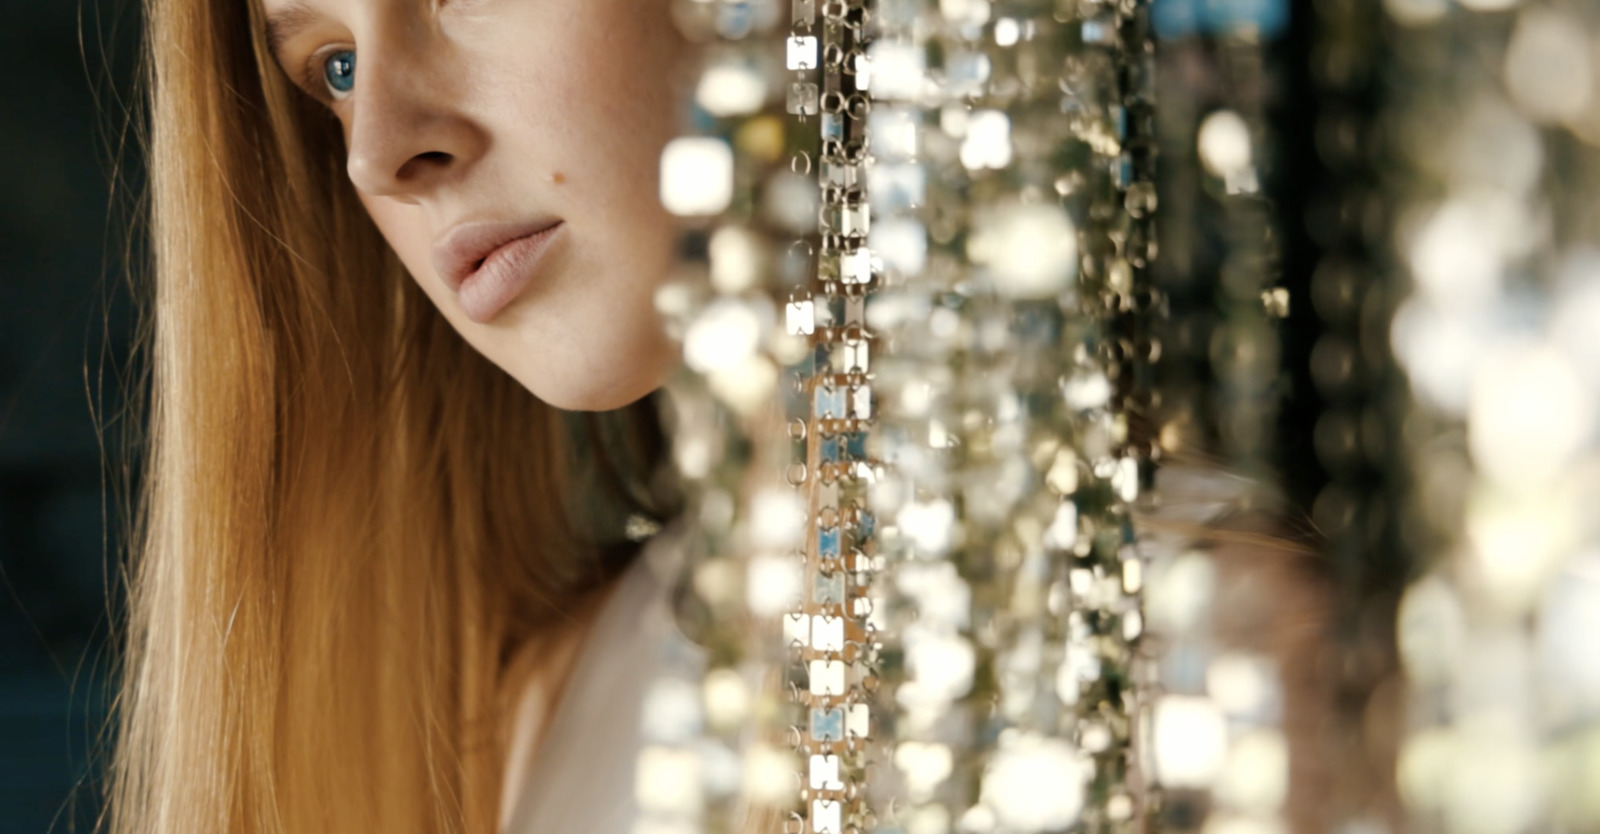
x=67, y=70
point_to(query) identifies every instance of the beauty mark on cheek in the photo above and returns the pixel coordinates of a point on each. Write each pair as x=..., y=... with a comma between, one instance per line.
x=558, y=178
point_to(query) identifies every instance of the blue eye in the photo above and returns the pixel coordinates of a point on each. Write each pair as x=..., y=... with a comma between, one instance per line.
x=339, y=70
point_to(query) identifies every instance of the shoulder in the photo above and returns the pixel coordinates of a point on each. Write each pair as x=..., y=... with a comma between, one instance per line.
x=580, y=779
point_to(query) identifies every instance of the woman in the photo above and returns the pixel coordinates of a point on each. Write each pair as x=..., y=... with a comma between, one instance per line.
x=392, y=238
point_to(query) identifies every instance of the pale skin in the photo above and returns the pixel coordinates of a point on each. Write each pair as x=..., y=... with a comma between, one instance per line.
x=510, y=111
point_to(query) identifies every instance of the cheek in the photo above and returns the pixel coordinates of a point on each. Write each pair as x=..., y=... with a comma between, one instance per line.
x=410, y=235
x=599, y=96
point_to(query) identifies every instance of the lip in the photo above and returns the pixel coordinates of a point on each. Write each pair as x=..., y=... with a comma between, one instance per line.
x=487, y=265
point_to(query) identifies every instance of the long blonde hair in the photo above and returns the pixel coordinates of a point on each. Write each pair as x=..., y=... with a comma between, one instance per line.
x=349, y=517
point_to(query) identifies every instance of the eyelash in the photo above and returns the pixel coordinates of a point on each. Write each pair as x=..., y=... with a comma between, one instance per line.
x=313, y=75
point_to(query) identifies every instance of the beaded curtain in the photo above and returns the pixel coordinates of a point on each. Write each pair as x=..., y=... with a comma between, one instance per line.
x=961, y=278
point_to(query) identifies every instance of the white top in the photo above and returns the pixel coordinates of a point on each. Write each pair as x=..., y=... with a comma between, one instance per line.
x=579, y=780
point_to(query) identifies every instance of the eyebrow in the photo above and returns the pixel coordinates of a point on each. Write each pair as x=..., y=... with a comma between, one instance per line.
x=285, y=23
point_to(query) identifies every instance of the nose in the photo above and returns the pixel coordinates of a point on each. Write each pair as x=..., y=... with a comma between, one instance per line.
x=406, y=136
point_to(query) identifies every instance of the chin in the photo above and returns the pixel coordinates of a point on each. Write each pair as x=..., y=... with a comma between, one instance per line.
x=579, y=392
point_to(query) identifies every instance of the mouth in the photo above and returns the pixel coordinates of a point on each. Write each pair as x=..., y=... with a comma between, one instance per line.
x=487, y=265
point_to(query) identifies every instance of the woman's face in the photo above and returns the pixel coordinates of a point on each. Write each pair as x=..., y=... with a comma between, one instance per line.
x=508, y=150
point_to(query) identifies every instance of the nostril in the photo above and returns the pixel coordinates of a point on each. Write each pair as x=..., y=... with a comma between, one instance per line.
x=423, y=162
